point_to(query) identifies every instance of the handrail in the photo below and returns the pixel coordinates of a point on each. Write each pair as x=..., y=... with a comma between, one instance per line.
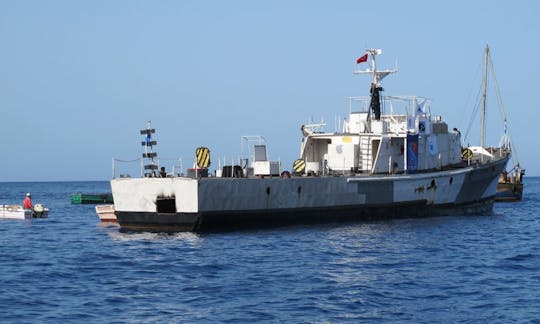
x=177, y=167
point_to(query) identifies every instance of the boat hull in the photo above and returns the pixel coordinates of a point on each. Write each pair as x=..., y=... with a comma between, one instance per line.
x=17, y=212
x=227, y=220
x=214, y=203
x=509, y=192
x=106, y=213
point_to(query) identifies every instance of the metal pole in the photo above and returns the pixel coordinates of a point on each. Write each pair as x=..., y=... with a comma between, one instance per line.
x=484, y=98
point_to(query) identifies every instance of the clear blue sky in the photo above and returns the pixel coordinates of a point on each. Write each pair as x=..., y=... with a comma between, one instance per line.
x=78, y=79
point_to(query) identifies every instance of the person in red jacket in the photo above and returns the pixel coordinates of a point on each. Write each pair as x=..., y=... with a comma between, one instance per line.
x=27, y=203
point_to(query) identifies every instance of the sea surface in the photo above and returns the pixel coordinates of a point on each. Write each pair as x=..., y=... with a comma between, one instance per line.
x=70, y=268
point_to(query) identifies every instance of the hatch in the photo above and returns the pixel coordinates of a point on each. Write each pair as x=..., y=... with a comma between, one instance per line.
x=166, y=205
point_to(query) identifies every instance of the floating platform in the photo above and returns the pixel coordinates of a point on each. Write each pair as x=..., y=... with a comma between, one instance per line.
x=80, y=198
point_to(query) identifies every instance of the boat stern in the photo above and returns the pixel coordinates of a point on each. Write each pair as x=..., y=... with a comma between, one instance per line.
x=144, y=203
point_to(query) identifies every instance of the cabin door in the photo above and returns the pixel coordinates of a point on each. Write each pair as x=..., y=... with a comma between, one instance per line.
x=374, y=150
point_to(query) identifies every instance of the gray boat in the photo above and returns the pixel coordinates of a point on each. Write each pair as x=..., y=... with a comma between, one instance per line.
x=391, y=158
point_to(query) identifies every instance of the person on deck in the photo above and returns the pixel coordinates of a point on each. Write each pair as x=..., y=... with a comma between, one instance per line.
x=163, y=173
x=27, y=203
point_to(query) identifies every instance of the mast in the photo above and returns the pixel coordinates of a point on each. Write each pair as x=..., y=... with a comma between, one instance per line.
x=484, y=98
x=375, y=102
x=149, y=154
x=376, y=88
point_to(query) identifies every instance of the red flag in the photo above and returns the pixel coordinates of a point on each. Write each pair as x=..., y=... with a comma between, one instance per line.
x=361, y=59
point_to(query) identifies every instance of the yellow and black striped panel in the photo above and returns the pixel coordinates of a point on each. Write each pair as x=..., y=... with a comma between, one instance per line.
x=203, y=157
x=466, y=154
x=299, y=166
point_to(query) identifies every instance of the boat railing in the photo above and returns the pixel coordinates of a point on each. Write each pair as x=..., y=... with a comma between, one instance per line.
x=411, y=105
x=498, y=151
x=173, y=166
x=127, y=168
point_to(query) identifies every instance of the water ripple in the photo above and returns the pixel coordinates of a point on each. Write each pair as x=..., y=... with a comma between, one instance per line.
x=70, y=268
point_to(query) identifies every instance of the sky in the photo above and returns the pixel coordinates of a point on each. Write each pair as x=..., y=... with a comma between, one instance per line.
x=79, y=79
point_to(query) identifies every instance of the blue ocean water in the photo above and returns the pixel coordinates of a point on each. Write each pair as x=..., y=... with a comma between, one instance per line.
x=71, y=268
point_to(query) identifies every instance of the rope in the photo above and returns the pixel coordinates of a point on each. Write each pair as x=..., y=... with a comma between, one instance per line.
x=515, y=158
x=126, y=161
x=475, y=111
x=467, y=102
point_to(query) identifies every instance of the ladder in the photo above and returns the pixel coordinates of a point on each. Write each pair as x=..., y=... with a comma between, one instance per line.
x=365, y=153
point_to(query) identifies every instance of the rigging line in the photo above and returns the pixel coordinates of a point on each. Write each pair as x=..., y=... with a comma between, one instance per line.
x=474, y=112
x=471, y=89
x=497, y=89
x=471, y=117
x=127, y=161
x=515, y=158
